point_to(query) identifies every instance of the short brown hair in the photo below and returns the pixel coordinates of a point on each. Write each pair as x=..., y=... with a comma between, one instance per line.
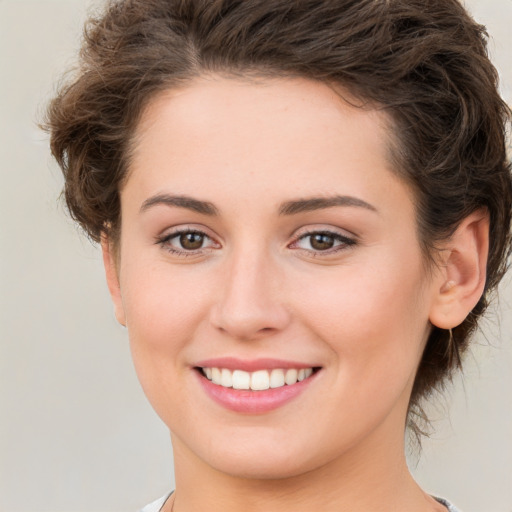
x=424, y=62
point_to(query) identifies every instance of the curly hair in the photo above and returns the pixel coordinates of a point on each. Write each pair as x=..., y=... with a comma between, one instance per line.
x=423, y=62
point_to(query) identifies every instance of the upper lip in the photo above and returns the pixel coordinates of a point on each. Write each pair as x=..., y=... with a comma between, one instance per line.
x=252, y=365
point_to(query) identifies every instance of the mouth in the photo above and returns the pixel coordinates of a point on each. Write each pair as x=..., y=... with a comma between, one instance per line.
x=260, y=380
x=255, y=386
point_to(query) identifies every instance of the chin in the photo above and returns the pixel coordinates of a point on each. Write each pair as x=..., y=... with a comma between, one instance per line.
x=261, y=468
x=268, y=459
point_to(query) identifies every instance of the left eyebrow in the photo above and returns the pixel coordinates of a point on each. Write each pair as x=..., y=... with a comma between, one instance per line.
x=319, y=203
x=187, y=202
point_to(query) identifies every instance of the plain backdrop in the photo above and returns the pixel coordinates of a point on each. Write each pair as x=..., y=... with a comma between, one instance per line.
x=76, y=433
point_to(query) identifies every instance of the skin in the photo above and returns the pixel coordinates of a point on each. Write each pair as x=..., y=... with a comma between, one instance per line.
x=257, y=287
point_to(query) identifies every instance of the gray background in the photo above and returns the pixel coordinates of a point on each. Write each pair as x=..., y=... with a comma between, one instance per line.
x=76, y=433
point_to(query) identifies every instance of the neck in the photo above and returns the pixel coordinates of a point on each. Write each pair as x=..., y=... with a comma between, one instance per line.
x=372, y=476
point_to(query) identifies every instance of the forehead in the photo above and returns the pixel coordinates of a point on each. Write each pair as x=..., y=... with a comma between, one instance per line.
x=214, y=102
x=228, y=136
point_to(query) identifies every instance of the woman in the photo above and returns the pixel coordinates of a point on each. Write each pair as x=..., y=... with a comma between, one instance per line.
x=303, y=209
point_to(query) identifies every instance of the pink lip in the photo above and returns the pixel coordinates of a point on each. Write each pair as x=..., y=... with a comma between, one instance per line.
x=232, y=363
x=253, y=402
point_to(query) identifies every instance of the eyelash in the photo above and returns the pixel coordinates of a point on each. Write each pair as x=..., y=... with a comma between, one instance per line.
x=165, y=242
x=344, y=242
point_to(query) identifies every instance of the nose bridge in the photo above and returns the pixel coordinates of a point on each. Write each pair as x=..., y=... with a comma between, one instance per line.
x=251, y=301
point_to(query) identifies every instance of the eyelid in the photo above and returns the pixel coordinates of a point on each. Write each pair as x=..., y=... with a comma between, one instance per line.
x=323, y=228
x=346, y=238
x=185, y=228
x=170, y=233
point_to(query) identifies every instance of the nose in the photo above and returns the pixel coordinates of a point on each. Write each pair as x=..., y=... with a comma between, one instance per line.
x=250, y=301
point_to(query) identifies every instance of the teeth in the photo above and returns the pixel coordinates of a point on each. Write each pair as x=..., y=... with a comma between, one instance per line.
x=260, y=380
x=225, y=378
x=291, y=376
x=241, y=380
x=277, y=378
x=304, y=373
x=216, y=376
x=256, y=381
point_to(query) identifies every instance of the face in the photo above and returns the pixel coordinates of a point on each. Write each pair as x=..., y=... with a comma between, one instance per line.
x=267, y=246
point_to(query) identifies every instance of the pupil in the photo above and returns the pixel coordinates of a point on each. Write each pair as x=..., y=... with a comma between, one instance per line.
x=322, y=242
x=191, y=241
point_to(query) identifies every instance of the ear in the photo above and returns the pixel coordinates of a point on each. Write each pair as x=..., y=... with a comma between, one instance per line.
x=111, y=271
x=461, y=280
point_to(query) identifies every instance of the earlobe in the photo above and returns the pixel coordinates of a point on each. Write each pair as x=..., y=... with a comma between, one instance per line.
x=111, y=272
x=463, y=272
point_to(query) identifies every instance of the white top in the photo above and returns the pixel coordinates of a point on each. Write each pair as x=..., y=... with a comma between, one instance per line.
x=448, y=505
x=157, y=505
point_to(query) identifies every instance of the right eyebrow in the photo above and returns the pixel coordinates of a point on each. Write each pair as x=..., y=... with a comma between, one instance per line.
x=203, y=207
x=319, y=203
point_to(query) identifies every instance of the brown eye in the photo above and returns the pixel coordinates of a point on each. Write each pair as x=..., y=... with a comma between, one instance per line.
x=191, y=241
x=322, y=241
x=188, y=242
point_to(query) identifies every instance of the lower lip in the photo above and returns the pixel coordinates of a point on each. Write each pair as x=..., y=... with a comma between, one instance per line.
x=253, y=402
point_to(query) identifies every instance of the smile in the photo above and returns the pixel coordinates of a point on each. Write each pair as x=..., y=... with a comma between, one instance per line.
x=260, y=380
x=254, y=386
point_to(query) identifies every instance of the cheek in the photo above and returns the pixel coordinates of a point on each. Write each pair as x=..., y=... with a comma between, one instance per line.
x=373, y=317
x=374, y=324
x=159, y=300
x=163, y=311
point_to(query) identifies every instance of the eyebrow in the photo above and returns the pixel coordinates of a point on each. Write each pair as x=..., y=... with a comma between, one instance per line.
x=288, y=208
x=203, y=207
x=319, y=203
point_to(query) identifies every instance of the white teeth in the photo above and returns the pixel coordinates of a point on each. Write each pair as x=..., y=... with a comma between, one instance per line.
x=241, y=380
x=258, y=380
x=216, y=376
x=225, y=378
x=291, y=376
x=277, y=378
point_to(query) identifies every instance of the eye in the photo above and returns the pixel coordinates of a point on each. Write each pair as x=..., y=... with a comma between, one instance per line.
x=323, y=241
x=191, y=241
x=186, y=242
